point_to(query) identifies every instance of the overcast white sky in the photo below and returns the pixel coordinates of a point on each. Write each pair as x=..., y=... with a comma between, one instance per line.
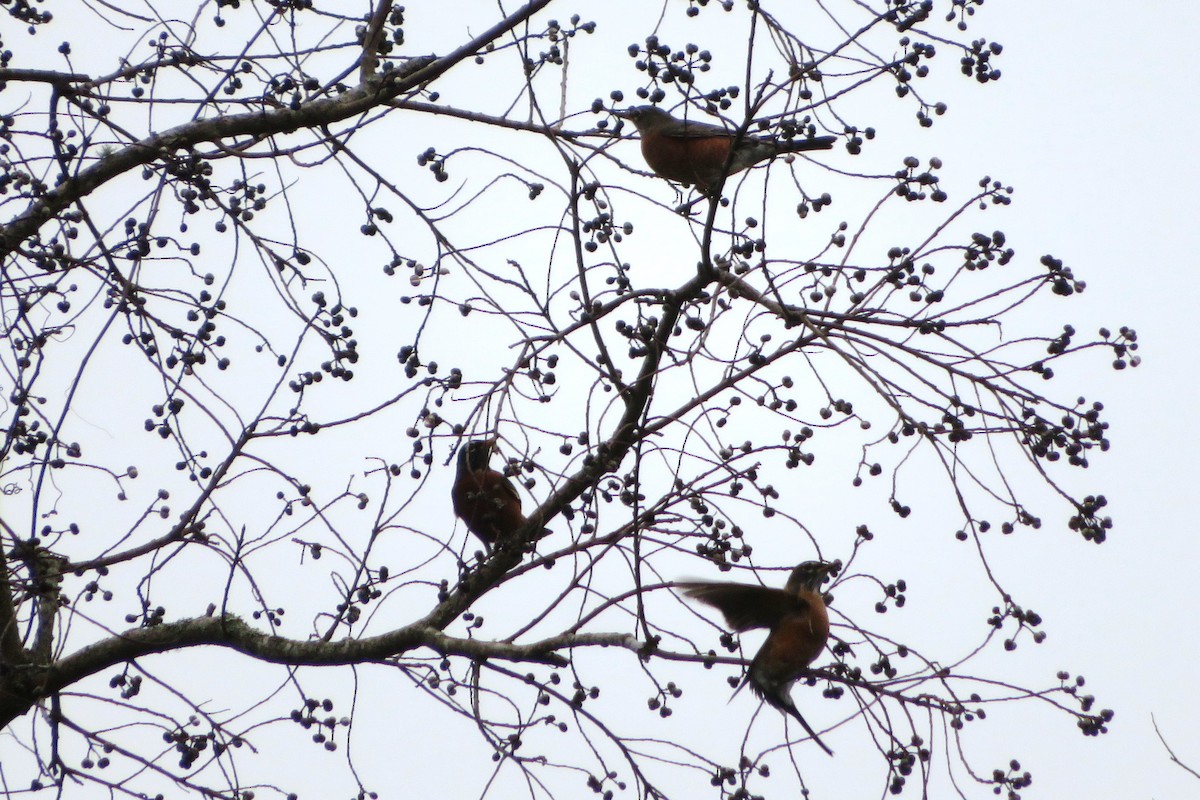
x=1093, y=123
x=1096, y=121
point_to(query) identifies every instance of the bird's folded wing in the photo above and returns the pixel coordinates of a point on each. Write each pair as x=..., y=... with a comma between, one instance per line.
x=510, y=489
x=691, y=129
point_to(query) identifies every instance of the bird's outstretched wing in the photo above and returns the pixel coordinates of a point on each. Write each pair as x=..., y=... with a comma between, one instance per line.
x=744, y=606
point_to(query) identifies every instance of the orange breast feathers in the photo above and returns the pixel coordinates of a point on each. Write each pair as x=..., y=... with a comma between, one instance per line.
x=488, y=503
x=797, y=641
x=697, y=160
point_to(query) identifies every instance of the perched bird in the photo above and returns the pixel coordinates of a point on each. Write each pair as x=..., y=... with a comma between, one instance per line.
x=483, y=498
x=698, y=153
x=798, y=623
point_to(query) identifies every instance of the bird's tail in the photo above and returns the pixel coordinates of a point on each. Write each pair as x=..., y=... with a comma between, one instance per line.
x=542, y=534
x=740, y=686
x=536, y=535
x=799, y=145
x=790, y=708
x=784, y=703
x=530, y=544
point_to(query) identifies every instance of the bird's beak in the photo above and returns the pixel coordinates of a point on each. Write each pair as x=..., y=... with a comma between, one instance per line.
x=618, y=112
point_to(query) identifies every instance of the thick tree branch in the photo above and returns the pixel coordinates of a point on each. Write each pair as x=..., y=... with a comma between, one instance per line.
x=21, y=690
x=11, y=652
x=25, y=687
x=256, y=124
x=60, y=79
x=608, y=456
x=374, y=34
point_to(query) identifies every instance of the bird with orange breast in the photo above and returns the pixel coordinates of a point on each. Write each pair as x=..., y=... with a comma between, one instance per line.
x=484, y=498
x=798, y=625
x=702, y=154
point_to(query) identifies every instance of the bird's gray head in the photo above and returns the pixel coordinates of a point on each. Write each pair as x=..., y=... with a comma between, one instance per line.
x=475, y=454
x=810, y=575
x=645, y=117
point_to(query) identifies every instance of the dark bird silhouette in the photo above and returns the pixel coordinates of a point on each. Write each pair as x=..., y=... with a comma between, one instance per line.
x=798, y=624
x=699, y=153
x=483, y=498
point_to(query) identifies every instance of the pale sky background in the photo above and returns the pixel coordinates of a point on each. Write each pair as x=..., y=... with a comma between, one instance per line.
x=1092, y=123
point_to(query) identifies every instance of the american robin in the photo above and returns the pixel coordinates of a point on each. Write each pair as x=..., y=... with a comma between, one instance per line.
x=798, y=623
x=698, y=153
x=483, y=498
